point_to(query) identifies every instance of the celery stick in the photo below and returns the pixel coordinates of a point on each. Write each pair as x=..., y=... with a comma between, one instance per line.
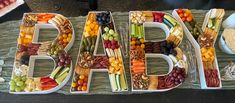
x=217, y=24
x=56, y=71
x=117, y=77
x=61, y=78
x=62, y=72
x=123, y=82
x=136, y=31
x=210, y=23
x=141, y=31
x=133, y=29
x=113, y=83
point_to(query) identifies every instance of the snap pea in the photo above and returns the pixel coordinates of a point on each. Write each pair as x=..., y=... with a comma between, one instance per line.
x=190, y=28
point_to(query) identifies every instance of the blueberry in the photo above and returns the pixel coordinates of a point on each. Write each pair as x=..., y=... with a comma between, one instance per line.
x=168, y=45
x=108, y=20
x=163, y=50
x=163, y=43
x=98, y=19
x=24, y=59
x=173, y=52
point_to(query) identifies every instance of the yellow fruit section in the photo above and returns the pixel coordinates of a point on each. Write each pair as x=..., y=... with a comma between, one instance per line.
x=25, y=38
x=91, y=26
x=208, y=54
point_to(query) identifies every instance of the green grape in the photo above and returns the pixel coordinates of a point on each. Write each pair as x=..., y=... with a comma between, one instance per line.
x=19, y=83
x=115, y=38
x=22, y=87
x=110, y=38
x=115, y=34
x=17, y=89
x=12, y=83
x=111, y=31
x=17, y=78
x=106, y=37
x=106, y=29
x=13, y=77
x=12, y=87
x=23, y=78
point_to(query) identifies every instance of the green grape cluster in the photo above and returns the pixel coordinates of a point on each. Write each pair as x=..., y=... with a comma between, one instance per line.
x=17, y=83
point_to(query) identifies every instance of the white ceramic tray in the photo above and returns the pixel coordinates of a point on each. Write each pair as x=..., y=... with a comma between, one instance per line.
x=170, y=62
x=198, y=52
x=105, y=70
x=33, y=58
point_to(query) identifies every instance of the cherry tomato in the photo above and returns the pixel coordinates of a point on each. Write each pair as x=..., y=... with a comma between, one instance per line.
x=181, y=15
x=85, y=79
x=80, y=82
x=186, y=14
x=74, y=85
x=60, y=37
x=84, y=84
x=189, y=18
x=183, y=19
x=84, y=88
x=179, y=11
x=188, y=11
x=133, y=38
x=65, y=36
x=65, y=40
x=61, y=42
x=81, y=77
x=79, y=88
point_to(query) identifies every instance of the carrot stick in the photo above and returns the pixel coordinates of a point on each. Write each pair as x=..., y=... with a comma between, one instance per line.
x=138, y=71
x=141, y=64
x=138, y=68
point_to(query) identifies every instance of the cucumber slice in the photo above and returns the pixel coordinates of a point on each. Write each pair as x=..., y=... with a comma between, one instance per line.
x=167, y=23
x=171, y=20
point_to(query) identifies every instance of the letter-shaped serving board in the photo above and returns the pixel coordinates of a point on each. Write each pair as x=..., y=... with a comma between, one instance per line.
x=99, y=25
x=30, y=49
x=142, y=49
x=203, y=40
